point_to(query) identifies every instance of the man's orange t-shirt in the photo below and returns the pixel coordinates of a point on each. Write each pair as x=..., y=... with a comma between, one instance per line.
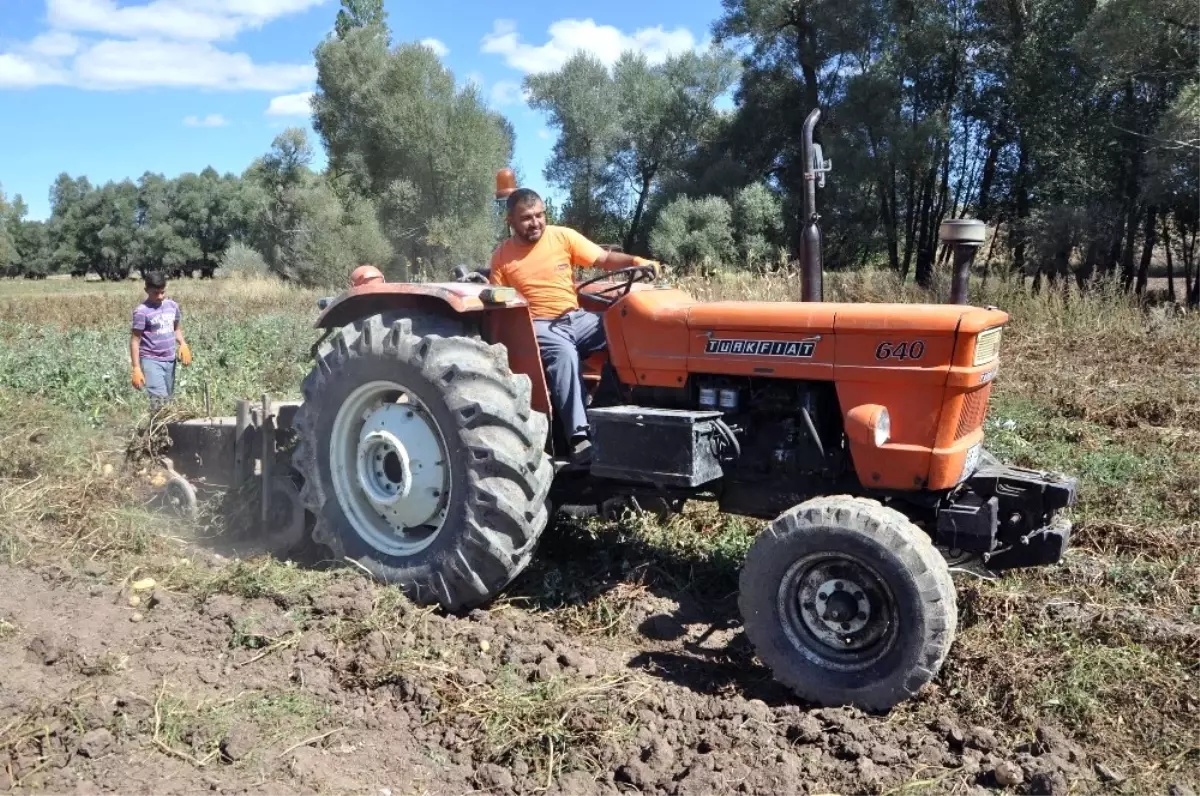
x=544, y=272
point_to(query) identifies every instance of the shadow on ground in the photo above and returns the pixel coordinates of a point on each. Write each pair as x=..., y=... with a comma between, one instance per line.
x=680, y=610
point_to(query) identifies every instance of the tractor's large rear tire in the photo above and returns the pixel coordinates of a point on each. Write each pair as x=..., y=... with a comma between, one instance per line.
x=422, y=458
x=848, y=603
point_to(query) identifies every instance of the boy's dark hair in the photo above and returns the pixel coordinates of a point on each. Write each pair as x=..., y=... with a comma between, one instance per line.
x=156, y=280
x=522, y=197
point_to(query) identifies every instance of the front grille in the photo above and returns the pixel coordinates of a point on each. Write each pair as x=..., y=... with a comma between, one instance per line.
x=974, y=410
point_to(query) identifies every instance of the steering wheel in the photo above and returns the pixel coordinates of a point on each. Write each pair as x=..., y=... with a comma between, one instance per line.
x=632, y=275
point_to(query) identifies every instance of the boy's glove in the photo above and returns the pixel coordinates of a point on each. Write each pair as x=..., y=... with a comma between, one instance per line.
x=185, y=354
x=139, y=379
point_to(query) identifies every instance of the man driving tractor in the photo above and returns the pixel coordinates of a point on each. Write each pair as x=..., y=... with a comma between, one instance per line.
x=538, y=261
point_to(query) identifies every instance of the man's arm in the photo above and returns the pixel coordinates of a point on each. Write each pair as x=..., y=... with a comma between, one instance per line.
x=611, y=261
x=586, y=253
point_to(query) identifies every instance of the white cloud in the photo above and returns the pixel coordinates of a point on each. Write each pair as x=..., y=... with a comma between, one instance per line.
x=55, y=44
x=569, y=36
x=438, y=46
x=204, y=20
x=143, y=63
x=19, y=72
x=506, y=92
x=211, y=120
x=545, y=134
x=290, y=105
x=162, y=43
x=476, y=79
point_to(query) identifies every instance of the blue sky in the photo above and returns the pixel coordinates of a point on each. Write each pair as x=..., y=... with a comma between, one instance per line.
x=114, y=88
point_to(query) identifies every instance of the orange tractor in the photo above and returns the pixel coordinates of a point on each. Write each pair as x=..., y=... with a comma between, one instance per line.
x=426, y=453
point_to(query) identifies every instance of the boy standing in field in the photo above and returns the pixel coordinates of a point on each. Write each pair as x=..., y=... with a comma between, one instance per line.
x=156, y=339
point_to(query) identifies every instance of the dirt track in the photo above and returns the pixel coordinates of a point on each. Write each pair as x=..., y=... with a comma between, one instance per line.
x=346, y=688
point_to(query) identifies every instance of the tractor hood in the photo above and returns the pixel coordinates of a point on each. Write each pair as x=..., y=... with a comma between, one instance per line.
x=826, y=318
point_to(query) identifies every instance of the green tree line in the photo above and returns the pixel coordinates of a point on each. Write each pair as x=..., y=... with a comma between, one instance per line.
x=1072, y=127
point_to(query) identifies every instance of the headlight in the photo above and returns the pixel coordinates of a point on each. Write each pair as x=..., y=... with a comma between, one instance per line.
x=883, y=427
x=869, y=424
x=987, y=346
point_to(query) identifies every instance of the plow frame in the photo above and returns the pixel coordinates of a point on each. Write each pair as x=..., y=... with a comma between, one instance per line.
x=248, y=453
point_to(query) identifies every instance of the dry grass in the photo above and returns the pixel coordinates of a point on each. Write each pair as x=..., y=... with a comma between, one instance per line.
x=193, y=729
x=1090, y=383
x=101, y=305
x=554, y=725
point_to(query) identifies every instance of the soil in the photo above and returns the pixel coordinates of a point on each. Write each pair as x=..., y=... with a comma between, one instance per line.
x=346, y=688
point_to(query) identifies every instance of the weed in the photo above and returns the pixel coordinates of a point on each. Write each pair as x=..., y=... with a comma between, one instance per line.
x=552, y=724
x=194, y=731
x=264, y=577
x=607, y=613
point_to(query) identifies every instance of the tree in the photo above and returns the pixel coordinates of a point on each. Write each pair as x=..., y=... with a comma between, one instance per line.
x=66, y=199
x=161, y=242
x=33, y=247
x=1043, y=118
x=623, y=132
x=757, y=225
x=789, y=47
x=179, y=225
x=106, y=229
x=668, y=113
x=399, y=133
x=694, y=233
x=359, y=14
x=582, y=101
x=300, y=225
x=10, y=219
x=208, y=211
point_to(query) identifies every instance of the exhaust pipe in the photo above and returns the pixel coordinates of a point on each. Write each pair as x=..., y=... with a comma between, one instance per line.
x=815, y=167
x=964, y=236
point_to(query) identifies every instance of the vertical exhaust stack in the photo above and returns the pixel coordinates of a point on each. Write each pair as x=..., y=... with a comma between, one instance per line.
x=815, y=168
x=964, y=236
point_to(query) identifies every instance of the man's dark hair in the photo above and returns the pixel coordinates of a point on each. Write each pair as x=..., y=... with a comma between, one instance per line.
x=522, y=197
x=156, y=280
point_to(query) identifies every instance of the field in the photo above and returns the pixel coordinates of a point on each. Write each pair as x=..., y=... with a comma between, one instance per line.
x=145, y=654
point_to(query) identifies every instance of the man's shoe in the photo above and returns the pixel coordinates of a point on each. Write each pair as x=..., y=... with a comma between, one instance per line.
x=581, y=453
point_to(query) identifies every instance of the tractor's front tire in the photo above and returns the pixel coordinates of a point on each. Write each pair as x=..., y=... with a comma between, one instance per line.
x=848, y=603
x=422, y=458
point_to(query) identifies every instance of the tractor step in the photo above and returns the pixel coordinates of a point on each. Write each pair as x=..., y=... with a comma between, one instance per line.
x=568, y=466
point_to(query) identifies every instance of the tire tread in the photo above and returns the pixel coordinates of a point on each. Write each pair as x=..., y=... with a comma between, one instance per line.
x=910, y=546
x=508, y=485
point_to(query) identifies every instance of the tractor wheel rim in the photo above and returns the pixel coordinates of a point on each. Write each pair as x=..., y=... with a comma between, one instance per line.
x=836, y=607
x=389, y=468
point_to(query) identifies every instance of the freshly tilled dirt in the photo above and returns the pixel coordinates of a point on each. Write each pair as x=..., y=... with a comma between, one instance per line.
x=353, y=689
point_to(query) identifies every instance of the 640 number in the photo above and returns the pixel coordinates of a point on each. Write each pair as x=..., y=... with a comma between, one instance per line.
x=905, y=350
